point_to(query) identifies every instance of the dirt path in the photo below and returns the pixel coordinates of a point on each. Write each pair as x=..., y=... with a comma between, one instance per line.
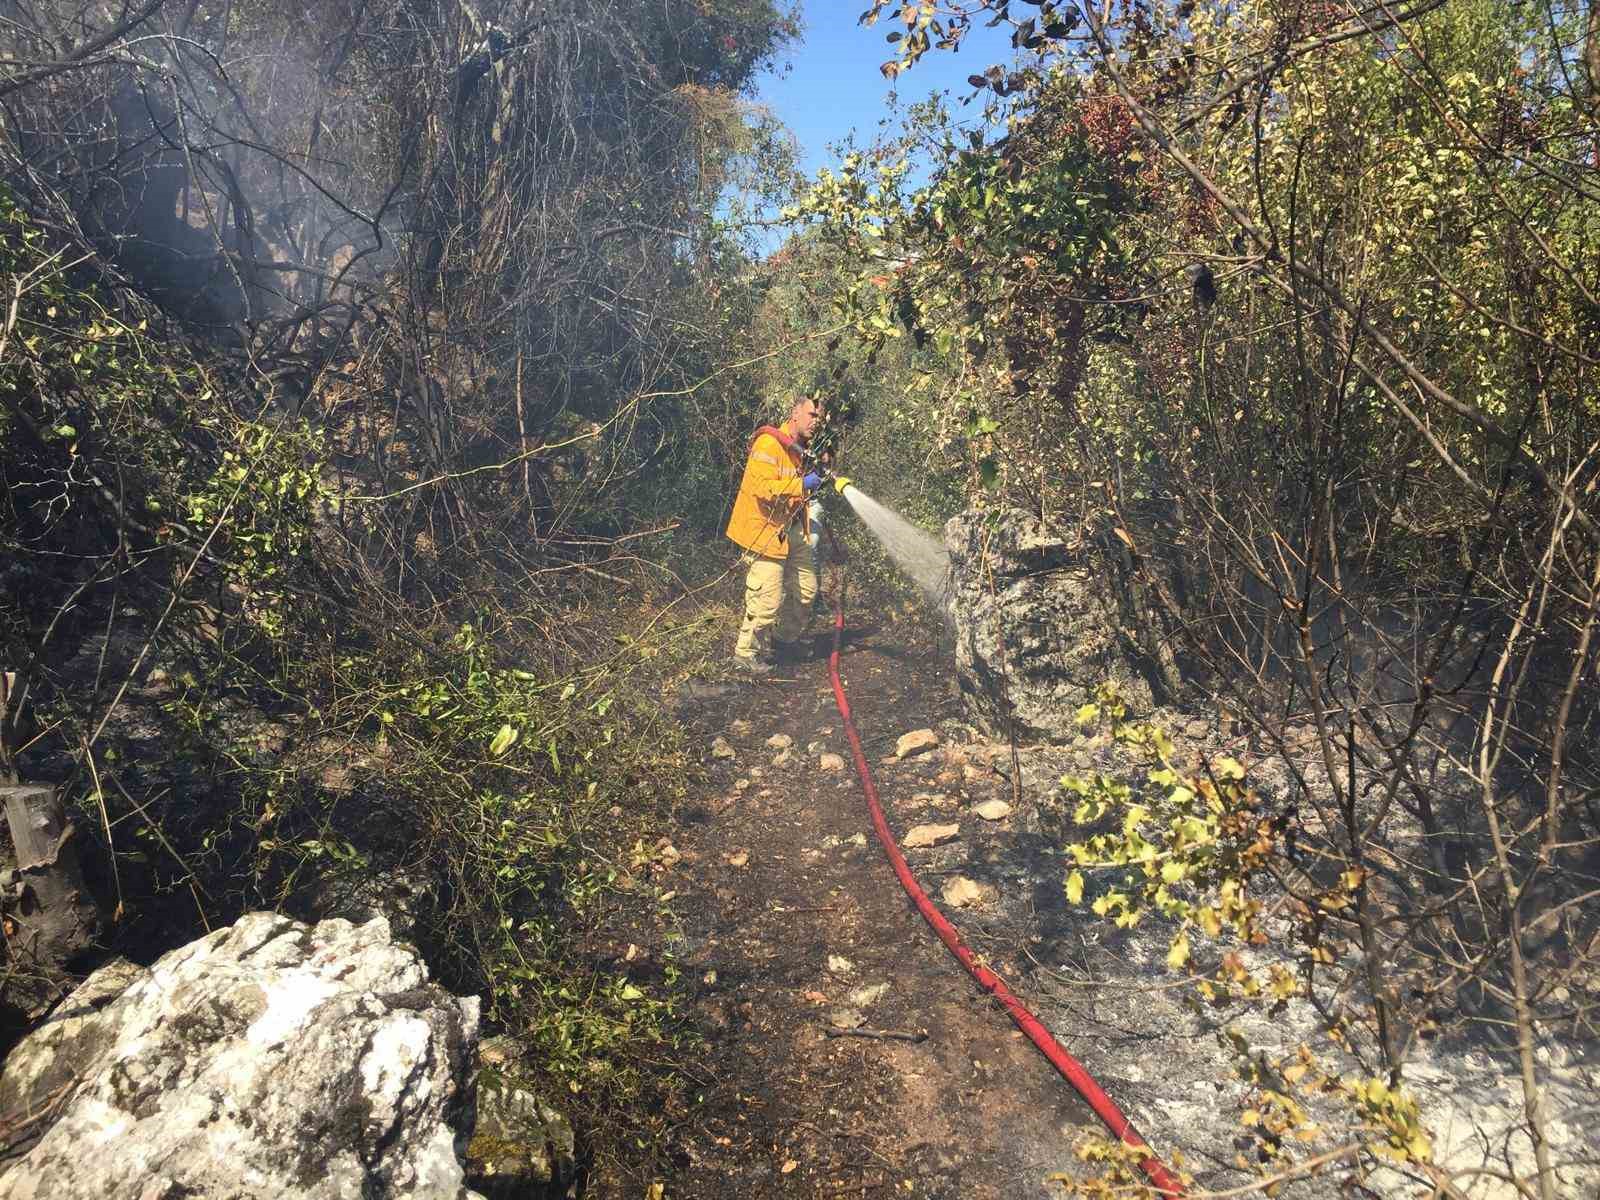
x=780, y=878
x=787, y=912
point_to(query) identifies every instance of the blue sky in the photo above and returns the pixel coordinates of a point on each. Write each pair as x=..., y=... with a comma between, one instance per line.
x=829, y=83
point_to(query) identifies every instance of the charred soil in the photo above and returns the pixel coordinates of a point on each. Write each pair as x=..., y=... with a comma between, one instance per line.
x=791, y=929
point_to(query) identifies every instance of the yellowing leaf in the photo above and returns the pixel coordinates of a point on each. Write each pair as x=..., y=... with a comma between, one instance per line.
x=1173, y=871
x=1075, y=888
x=1228, y=768
x=502, y=741
x=1178, y=955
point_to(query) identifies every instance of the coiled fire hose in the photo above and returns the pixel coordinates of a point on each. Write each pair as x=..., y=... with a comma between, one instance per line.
x=1070, y=1068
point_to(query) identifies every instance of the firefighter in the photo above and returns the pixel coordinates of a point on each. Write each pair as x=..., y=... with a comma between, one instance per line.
x=771, y=524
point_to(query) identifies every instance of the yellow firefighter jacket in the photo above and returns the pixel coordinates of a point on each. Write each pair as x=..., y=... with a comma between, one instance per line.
x=769, y=495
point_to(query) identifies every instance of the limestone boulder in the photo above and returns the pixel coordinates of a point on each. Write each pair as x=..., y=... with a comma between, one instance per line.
x=1035, y=624
x=270, y=1058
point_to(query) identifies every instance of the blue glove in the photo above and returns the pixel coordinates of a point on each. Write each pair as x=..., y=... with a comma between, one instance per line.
x=811, y=482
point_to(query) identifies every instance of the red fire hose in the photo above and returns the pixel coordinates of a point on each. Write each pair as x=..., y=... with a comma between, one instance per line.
x=1063, y=1062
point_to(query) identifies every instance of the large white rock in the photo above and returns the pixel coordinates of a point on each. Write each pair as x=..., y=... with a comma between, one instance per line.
x=270, y=1058
x=1037, y=620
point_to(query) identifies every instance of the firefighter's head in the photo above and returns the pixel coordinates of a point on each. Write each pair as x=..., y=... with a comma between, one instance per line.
x=803, y=417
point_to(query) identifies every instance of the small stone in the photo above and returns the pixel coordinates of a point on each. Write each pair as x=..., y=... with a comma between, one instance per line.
x=739, y=728
x=839, y=965
x=779, y=741
x=830, y=762
x=721, y=749
x=846, y=1018
x=857, y=840
x=815, y=748
x=915, y=742
x=739, y=858
x=741, y=785
x=783, y=758
x=993, y=810
x=1197, y=729
x=498, y=1051
x=929, y=835
x=866, y=997
x=970, y=773
x=961, y=892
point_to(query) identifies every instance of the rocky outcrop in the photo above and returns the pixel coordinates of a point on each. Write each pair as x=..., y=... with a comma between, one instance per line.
x=270, y=1058
x=1035, y=631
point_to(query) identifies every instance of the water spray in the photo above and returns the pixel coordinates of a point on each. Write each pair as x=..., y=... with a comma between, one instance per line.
x=915, y=551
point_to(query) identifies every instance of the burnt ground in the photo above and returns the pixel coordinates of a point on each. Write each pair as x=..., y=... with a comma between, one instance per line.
x=778, y=874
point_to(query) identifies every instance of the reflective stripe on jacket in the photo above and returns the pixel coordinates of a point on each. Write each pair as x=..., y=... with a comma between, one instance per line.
x=769, y=494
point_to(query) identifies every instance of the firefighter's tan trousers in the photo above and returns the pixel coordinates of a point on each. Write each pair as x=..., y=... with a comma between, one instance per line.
x=778, y=593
